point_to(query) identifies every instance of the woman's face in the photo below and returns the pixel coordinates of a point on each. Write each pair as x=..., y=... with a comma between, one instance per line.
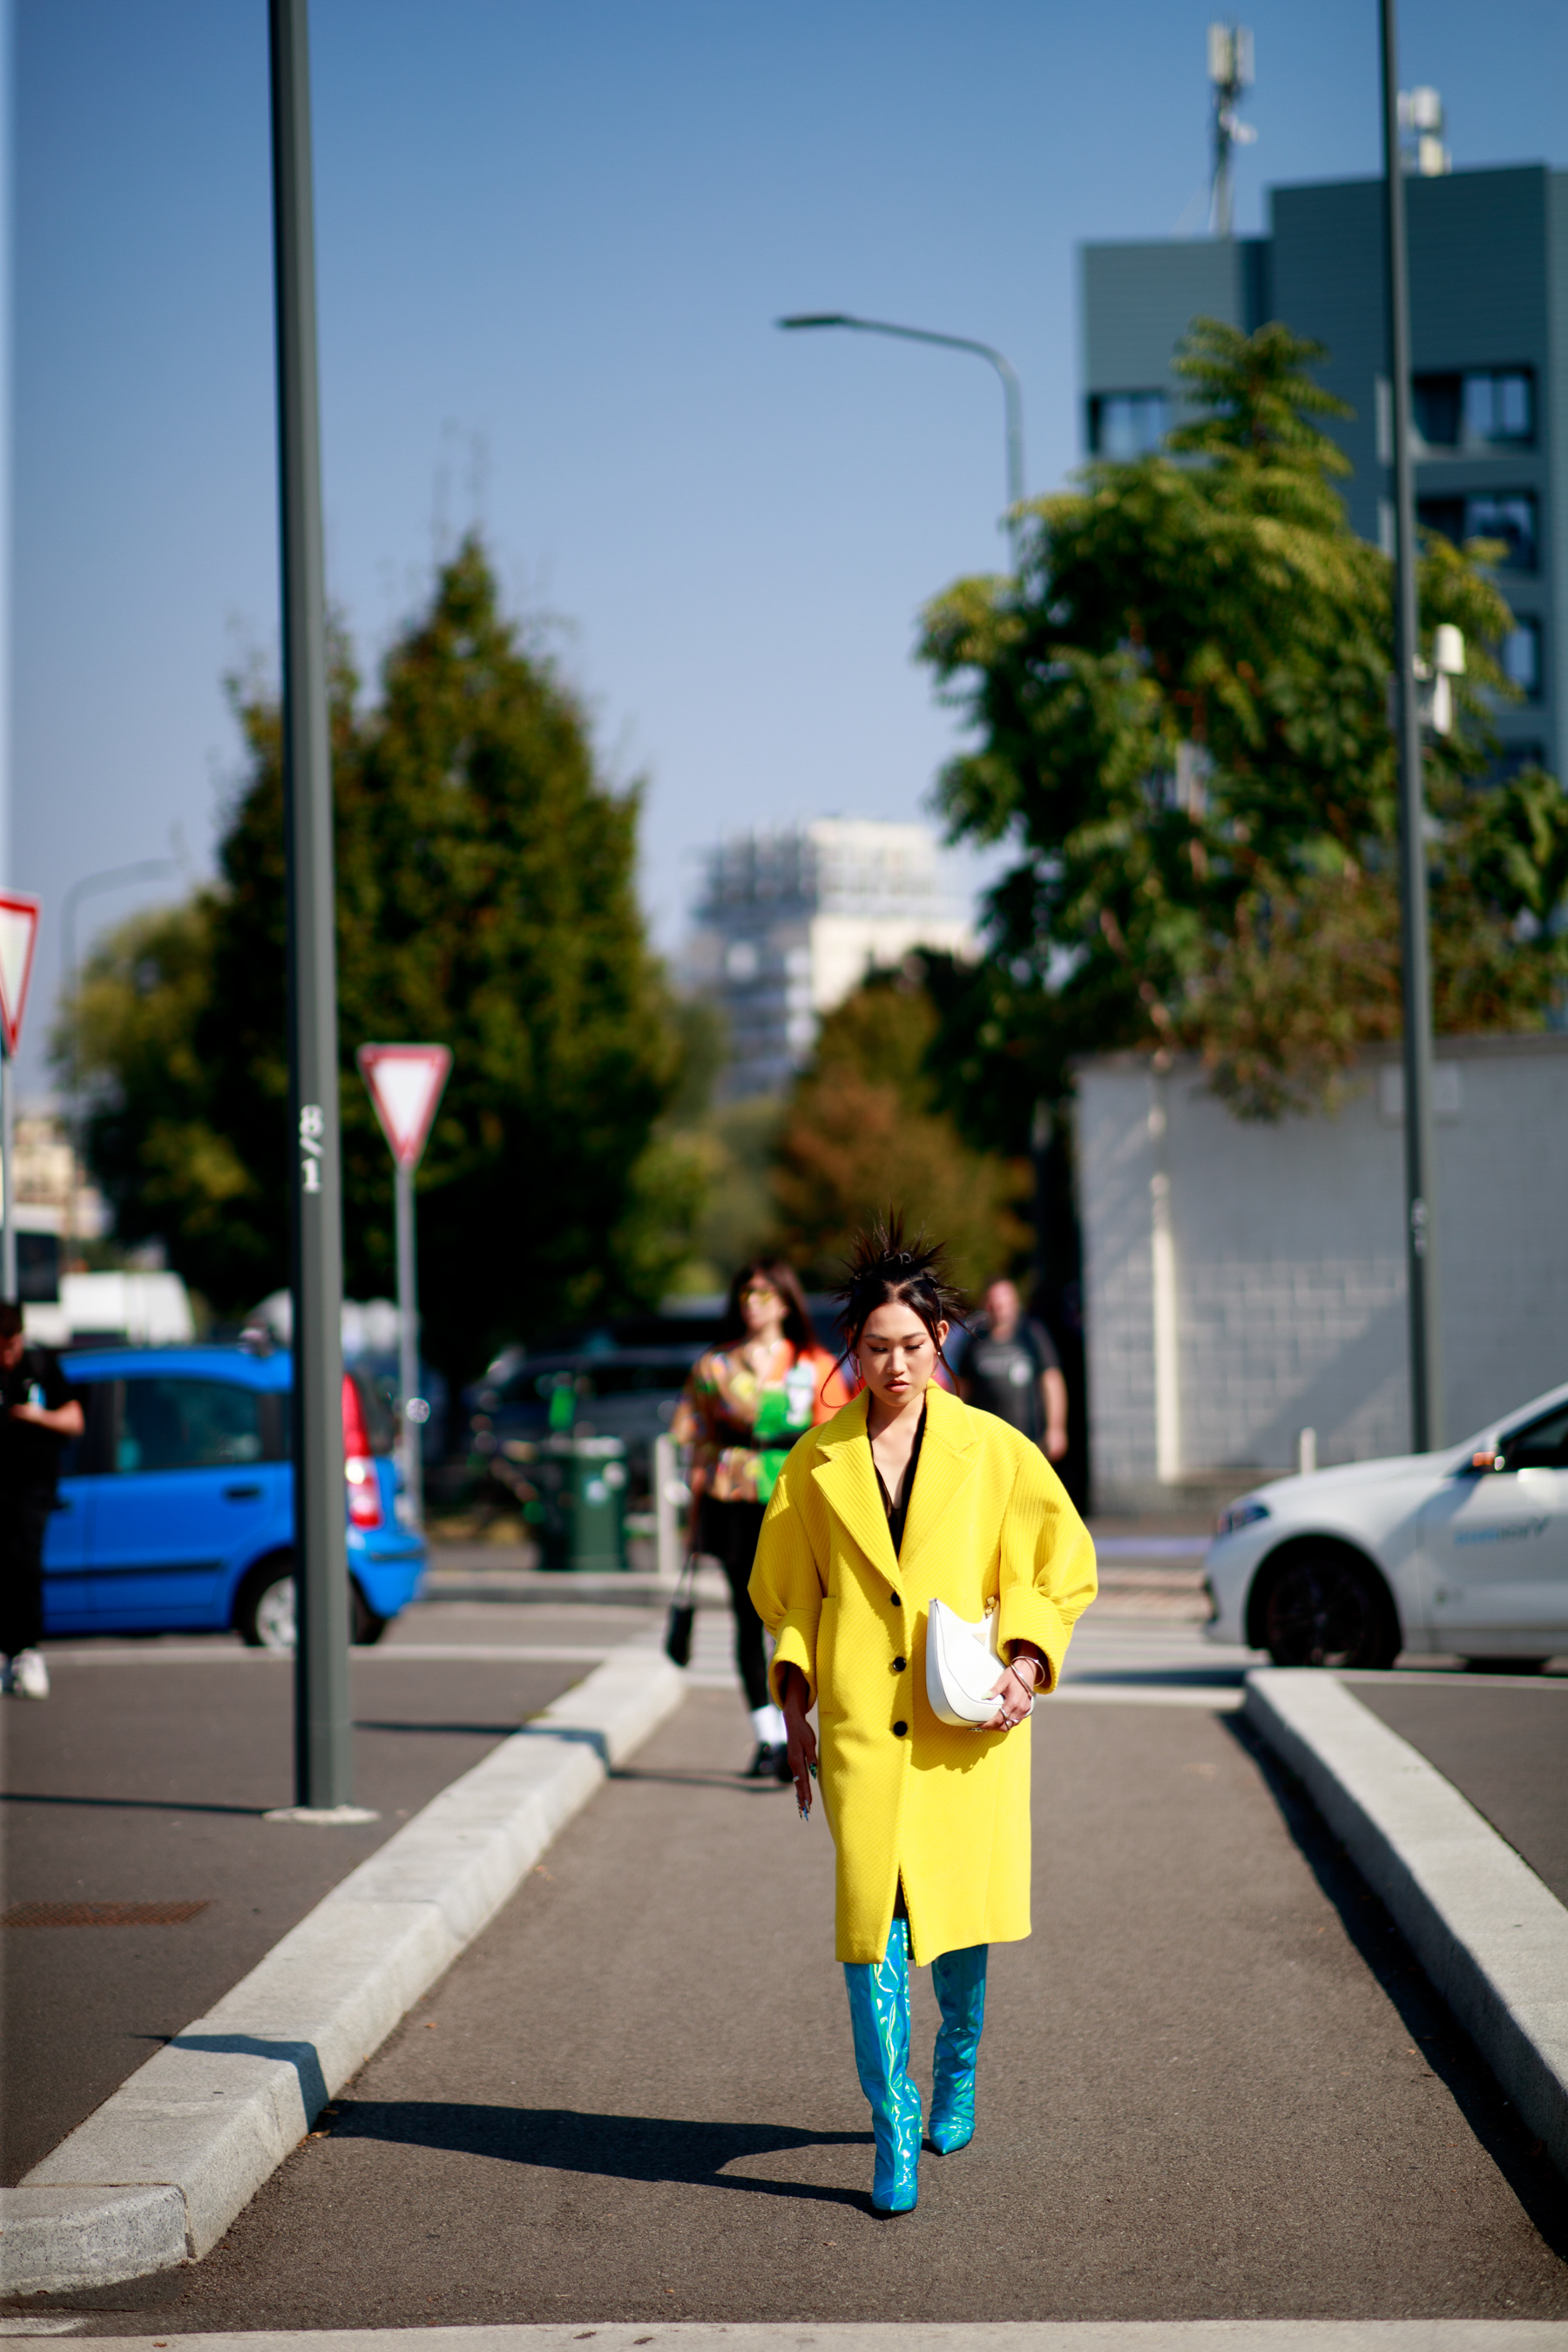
x=896, y=1354
x=762, y=1308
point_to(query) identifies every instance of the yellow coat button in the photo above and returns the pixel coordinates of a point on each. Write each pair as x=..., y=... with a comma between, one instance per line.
x=899, y=1665
x=900, y=1729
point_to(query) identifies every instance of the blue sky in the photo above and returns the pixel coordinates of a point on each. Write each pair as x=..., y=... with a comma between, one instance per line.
x=550, y=244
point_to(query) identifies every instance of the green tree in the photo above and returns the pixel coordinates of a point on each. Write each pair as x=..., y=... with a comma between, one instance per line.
x=1180, y=717
x=485, y=899
x=864, y=1128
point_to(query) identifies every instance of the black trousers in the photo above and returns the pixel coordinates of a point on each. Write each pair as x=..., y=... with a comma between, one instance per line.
x=729, y=1532
x=23, y=1519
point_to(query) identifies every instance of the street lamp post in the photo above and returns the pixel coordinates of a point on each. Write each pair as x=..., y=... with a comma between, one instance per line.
x=1420, y=1221
x=1012, y=391
x=324, y=1762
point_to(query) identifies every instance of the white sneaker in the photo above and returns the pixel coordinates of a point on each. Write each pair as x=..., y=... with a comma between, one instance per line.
x=29, y=1676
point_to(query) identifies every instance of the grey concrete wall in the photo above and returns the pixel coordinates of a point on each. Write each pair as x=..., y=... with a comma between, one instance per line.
x=1288, y=1262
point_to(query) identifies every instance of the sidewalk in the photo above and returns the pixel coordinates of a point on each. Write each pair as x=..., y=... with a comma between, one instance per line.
x=143, y=1782
x=1213, y=2088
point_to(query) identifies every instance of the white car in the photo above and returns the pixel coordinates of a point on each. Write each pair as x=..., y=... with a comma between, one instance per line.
x=1462, y=1553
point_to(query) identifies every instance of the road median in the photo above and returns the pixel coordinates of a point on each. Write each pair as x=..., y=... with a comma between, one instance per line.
x=155, y=2176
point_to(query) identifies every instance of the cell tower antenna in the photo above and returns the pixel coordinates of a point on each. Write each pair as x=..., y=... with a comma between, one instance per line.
x=1230, y=71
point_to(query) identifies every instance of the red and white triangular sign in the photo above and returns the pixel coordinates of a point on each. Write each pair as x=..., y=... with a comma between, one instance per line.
x=405, y=1083
x=18, y=935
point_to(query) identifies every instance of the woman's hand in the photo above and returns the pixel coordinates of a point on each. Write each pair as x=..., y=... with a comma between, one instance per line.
x=802, y=1738
x=1014, y=1692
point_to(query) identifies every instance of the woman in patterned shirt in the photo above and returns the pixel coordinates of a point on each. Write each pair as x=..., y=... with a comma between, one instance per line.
x=746, y=1402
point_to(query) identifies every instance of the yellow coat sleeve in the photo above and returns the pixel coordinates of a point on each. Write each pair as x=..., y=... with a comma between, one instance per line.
x=789, y=1575
x=1047, y=1578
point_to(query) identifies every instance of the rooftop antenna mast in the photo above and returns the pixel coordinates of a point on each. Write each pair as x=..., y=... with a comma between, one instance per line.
x=1230, y=71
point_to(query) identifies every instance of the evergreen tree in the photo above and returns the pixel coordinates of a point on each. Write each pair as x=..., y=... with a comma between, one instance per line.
x=486, y=900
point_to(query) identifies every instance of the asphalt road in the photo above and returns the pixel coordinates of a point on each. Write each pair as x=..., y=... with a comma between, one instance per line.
x=1502, y=1741
x=144, y=1779
x=1214, y=2083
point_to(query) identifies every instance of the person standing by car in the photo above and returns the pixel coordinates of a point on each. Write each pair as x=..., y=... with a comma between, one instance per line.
x=39, y=1417
x=1010, y=1367
x=746, y=1401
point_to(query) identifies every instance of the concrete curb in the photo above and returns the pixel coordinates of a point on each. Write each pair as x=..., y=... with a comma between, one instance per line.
x=1492, y=1939
x=908, y=2335
x=157, y=2174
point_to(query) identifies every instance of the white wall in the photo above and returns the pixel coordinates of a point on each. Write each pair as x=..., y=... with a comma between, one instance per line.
x=1285, y=1300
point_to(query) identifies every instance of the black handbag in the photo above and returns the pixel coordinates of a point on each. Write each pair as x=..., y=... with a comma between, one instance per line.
x=682, y=1615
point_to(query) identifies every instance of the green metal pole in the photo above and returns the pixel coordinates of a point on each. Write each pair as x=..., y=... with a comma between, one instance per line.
x=1420, y=1219
x=322, y=1753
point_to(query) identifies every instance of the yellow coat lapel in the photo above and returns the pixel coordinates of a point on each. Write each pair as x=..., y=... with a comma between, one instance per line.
x=949, y=1454
x=847, y=1481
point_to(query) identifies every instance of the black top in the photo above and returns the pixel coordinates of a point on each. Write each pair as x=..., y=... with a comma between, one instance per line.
x=899, y=1511
x=1004, y=1375
x=30, y=1456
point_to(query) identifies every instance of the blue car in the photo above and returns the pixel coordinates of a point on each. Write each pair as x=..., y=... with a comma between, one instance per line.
x=177, y=1505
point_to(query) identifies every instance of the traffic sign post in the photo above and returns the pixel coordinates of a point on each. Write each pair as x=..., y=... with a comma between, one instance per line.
x=19, y=937
x=406, y=1084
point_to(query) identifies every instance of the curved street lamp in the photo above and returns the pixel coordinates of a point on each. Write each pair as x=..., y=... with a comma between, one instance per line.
x=1012, y=391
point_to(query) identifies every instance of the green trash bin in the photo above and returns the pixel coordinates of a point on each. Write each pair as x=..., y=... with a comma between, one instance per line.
x=583, y=1490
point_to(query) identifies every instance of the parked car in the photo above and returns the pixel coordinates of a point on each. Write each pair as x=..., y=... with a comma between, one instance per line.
x=1461, y=1553
x=176, y=1505
x=626, y=1392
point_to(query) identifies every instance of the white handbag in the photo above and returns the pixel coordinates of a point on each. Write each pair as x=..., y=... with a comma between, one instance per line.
x=963, y=1664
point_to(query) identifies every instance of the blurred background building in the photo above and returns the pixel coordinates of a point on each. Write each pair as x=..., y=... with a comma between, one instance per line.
x=1489, y=300
x=789, y=922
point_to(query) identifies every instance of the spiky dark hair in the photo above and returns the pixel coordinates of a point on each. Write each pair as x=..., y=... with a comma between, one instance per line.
x=885, y=1269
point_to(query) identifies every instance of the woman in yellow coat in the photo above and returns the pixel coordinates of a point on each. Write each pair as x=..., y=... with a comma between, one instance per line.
x=907, y=1496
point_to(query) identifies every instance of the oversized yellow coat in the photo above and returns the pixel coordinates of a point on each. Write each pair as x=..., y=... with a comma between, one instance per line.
x=904, y=1793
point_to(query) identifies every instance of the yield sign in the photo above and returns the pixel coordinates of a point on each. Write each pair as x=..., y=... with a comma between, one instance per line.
x=405, y=1083
x=18, y=932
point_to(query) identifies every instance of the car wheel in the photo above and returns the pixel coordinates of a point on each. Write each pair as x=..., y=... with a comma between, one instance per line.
x=364, y=1625
x=1326, y=1608
x=266, y=1616
x=1504, y=1666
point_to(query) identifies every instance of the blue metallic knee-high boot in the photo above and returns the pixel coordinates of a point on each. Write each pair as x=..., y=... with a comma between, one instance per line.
x=879, y=2016
x=959, y=1981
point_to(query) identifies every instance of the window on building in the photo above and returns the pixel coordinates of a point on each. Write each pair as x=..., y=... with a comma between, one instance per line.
x=1124, y=424
x=1476, y=408
x=1506, y=515
x=1520, y=655
x=1499, y=407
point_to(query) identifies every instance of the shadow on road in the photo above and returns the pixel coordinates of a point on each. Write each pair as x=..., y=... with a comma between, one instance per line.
x=1447, y=2050
x=614, y=2147
x=131, y=1804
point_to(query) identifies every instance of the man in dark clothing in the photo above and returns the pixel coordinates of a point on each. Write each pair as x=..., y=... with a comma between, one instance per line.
x=38, y=1415
x=1010, y=1367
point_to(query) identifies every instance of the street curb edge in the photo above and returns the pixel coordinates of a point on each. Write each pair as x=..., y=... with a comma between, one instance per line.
x=1490, y=1937
x=157, y=2174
